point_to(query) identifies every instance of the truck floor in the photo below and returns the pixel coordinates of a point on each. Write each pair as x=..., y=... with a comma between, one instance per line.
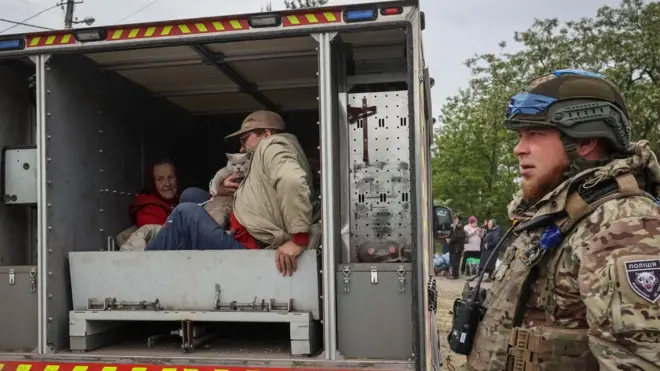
x=222, y=348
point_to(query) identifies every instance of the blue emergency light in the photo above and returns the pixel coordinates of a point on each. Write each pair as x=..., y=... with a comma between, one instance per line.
x=15, y=44
x=360, y=15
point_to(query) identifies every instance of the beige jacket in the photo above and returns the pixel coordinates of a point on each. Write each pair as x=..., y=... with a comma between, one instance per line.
x=276, y=199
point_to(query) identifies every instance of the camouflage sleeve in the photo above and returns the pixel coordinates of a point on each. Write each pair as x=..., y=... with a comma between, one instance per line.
x=619, y=281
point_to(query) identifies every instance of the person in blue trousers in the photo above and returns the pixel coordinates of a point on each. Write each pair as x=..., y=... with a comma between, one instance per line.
x=190, y=227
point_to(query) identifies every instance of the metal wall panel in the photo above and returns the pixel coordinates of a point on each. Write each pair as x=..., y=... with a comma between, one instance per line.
x=380, y=186
x=15, y=112
x=94, y=124
x=20, y=174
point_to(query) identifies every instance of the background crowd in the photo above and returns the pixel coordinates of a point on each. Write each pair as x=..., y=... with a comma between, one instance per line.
x=468, y=250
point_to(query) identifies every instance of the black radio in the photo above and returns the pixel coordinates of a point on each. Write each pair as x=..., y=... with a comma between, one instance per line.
x=467, y=315
x=469, y=310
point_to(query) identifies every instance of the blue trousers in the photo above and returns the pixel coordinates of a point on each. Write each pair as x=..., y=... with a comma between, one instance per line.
x=190, y=227
x=194, y=195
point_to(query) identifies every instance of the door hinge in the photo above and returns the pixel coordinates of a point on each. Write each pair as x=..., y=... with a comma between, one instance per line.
x=402, y=278
x=33, y=279
x=12, y=277
x=347, y=278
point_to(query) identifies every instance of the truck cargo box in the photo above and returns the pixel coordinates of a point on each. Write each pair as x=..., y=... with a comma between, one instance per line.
x=105, y=113
x=192, y=280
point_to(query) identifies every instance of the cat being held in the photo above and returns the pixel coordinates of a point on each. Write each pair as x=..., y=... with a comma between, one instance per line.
x=219, y=207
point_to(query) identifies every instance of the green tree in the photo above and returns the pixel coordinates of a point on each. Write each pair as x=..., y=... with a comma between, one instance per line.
x=474, y=169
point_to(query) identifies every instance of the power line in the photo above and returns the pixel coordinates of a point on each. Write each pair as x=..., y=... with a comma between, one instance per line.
x=23, y=24
x=138, y=11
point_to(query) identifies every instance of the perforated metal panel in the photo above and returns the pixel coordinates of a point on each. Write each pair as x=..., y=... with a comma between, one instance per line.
x=380, y=186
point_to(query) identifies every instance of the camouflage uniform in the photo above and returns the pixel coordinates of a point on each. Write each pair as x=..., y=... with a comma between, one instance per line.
x=592, y=302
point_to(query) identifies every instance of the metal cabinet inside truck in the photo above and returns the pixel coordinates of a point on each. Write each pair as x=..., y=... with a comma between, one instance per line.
x=18, y=213
x=97, y=106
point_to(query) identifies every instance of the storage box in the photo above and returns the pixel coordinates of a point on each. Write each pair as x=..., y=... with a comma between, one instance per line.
x=374, y=302
x=19, y=309
x=186, y=280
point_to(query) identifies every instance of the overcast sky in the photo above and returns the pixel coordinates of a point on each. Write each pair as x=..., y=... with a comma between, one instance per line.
x=455, y=31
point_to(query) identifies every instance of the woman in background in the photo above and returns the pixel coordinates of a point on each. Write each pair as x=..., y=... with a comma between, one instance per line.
x=472, y=244
x=493, y=234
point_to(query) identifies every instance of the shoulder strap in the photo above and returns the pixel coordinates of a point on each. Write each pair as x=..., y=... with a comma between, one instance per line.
x=584, y=201
x=579, y=204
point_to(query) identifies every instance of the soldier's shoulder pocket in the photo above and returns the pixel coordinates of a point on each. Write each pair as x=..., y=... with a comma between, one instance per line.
x=636, y=292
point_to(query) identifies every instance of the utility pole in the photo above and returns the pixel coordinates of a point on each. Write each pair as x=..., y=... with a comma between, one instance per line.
x=68, y=17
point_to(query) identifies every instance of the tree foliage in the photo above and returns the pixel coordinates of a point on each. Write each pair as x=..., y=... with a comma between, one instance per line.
x=474, y=169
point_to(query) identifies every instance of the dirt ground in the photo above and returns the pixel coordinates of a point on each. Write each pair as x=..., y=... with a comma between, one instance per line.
x=448, y=291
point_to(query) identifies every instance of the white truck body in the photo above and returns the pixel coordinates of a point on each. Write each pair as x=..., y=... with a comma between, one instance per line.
x=84, y=111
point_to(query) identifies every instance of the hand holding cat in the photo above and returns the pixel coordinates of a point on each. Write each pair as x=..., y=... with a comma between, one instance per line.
x=285, y=257
x=228, y=186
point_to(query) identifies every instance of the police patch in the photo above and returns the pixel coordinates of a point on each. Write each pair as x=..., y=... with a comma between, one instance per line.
x=644, y=278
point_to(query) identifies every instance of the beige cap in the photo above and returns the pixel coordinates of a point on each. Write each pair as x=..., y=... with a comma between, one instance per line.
x=260, y=120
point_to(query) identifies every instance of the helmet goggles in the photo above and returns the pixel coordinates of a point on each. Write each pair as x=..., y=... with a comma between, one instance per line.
x=533, y=104
x=579, y=117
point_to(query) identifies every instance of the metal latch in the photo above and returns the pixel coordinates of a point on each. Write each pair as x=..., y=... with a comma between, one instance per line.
x=12, y=276
x=347, y=278
x=111, y=244
x=374, y=275
x=402, y=278
x=113, y=304
x=33, y=279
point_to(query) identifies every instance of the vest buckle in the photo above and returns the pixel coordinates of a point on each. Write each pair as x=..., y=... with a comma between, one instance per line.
x=520, y=356
x=522, y=340
x=518, y=364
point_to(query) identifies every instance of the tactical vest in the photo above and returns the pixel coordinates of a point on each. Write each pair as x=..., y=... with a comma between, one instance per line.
x=513, y=336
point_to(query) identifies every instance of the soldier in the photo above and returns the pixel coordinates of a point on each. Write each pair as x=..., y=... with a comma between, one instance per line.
x=579, y=283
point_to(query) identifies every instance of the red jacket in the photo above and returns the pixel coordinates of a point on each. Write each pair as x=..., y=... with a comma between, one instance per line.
x=242, y=235
x=150, y=209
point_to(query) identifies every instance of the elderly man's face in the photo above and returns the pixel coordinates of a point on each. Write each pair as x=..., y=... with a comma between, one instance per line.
x=542, y=160
x=250, y=140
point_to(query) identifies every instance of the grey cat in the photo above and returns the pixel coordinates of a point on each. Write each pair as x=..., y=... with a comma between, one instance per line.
x=219, y=207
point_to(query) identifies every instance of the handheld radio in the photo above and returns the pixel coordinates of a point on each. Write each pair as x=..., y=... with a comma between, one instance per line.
x=469, y=311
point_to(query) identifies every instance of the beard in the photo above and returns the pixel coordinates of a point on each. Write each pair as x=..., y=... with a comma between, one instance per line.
x=535, y=188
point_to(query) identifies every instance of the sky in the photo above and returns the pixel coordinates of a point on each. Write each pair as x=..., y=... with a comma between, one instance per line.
x=455, y=30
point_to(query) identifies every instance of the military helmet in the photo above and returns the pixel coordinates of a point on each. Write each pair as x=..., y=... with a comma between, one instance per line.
x=580, y=104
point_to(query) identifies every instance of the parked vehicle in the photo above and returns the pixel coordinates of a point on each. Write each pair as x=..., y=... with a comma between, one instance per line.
x=83, y=111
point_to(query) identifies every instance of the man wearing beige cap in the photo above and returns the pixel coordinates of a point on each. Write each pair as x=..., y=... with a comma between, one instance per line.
x=273, y=205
